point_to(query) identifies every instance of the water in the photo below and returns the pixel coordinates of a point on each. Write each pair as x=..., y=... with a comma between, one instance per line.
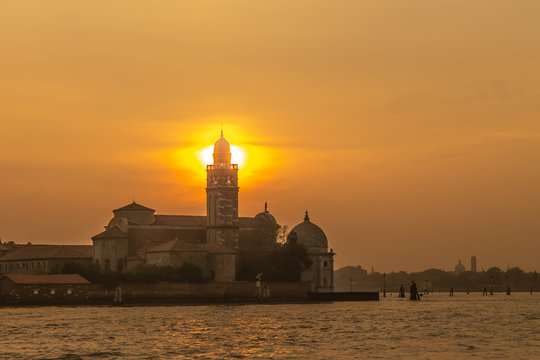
x=438, y=327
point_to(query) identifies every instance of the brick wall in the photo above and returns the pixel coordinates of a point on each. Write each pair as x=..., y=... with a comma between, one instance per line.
x=11, y=293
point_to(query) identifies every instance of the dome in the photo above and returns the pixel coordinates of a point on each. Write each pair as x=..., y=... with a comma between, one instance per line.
x=459, y=267
x=267, y=217
x=309, y=235
x=222, y=151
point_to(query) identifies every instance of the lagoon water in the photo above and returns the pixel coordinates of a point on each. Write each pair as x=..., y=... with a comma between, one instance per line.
x=438, y=327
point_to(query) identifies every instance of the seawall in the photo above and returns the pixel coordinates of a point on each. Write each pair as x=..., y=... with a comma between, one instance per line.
x=166, y=292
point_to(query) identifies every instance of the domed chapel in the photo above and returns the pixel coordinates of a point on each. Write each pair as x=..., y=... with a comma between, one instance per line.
x=136, y=235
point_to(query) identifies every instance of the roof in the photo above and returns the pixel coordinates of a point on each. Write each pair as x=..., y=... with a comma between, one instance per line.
x=245, y=222
x=184, y=246
x=133, y=207
x=34, y=252
x=309, y=235
x=47, y=279
x=180, y=220
x=110, y=232
x=10, y=246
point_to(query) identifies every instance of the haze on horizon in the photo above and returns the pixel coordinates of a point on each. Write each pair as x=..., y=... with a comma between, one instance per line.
x=410, y=131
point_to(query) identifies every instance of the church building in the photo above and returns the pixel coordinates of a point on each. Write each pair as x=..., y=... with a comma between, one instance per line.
x=136, y=235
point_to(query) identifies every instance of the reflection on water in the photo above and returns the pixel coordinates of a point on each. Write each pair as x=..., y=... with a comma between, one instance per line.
x=437, y=327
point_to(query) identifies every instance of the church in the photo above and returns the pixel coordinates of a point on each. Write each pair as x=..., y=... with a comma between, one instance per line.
x=136, y=235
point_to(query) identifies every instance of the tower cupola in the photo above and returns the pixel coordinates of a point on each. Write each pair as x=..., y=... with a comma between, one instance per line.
x=222, y=151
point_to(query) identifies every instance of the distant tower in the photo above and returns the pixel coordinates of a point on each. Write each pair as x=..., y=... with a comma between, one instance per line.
x=222, y=197
x=473, y=263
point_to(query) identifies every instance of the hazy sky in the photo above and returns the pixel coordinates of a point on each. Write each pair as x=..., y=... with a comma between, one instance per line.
x=409, y=129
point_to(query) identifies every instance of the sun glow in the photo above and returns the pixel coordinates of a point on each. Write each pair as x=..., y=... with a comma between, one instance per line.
x=255, y=161
x=238, y=156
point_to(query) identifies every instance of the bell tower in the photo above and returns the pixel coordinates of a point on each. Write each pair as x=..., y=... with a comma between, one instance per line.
x=222, y=197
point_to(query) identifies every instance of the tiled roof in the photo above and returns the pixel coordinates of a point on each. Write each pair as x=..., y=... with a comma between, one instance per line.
x=47, y=279
x=184, y=246
x=32, y=252
x=180, y=220
x=133, y=207
x=110, y=232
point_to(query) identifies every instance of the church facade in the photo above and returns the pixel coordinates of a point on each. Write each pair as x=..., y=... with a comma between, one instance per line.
x=136, y=235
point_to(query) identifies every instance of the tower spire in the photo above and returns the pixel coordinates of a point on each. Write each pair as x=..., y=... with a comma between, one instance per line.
x=306, y=218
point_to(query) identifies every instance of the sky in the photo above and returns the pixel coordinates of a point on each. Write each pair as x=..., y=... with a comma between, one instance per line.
x=409, y=130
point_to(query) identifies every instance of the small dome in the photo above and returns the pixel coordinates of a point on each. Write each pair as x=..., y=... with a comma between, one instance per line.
x=267, y=218
x=309, y=235
x=222, y=151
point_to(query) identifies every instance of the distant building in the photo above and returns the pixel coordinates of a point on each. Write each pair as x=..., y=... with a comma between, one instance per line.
x=459, y=268
x=313, y=238
x=53, y=289
x=35, y=259
x=473, y=263
x=215, y=243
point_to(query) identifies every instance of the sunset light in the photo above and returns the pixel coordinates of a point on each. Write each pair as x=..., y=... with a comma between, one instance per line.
x=274, y=162
x=238, y=155
x=247, y=150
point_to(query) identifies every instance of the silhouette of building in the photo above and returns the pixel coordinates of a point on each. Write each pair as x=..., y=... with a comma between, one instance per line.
x=313, y=238
x=473, y=263
x=459, y=268
x=222, y=197
x=40, y=289
x=136, y=235
x=36, y=259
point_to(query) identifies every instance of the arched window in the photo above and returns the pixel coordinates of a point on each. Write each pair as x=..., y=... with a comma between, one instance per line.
x=119, y=265
x=325, y=263
x=107, y=265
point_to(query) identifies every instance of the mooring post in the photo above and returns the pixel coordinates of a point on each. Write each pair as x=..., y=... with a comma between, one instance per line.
x=384, y=285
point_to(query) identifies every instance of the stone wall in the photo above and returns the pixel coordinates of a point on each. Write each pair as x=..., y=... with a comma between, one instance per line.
x=223, y=267
x=111, y=251
x=210, y=291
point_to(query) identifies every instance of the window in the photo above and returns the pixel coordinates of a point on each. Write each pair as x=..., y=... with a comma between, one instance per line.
x=53, y=292
x=69, y=291
x=36, y=291
x=120, y=265
x=107, y=265
x=325, y=264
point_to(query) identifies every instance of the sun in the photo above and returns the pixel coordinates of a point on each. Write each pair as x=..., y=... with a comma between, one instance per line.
x=256, y=161
x=238, y=155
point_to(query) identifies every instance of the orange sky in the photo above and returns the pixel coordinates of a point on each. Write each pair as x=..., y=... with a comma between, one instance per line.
x=410, y=130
